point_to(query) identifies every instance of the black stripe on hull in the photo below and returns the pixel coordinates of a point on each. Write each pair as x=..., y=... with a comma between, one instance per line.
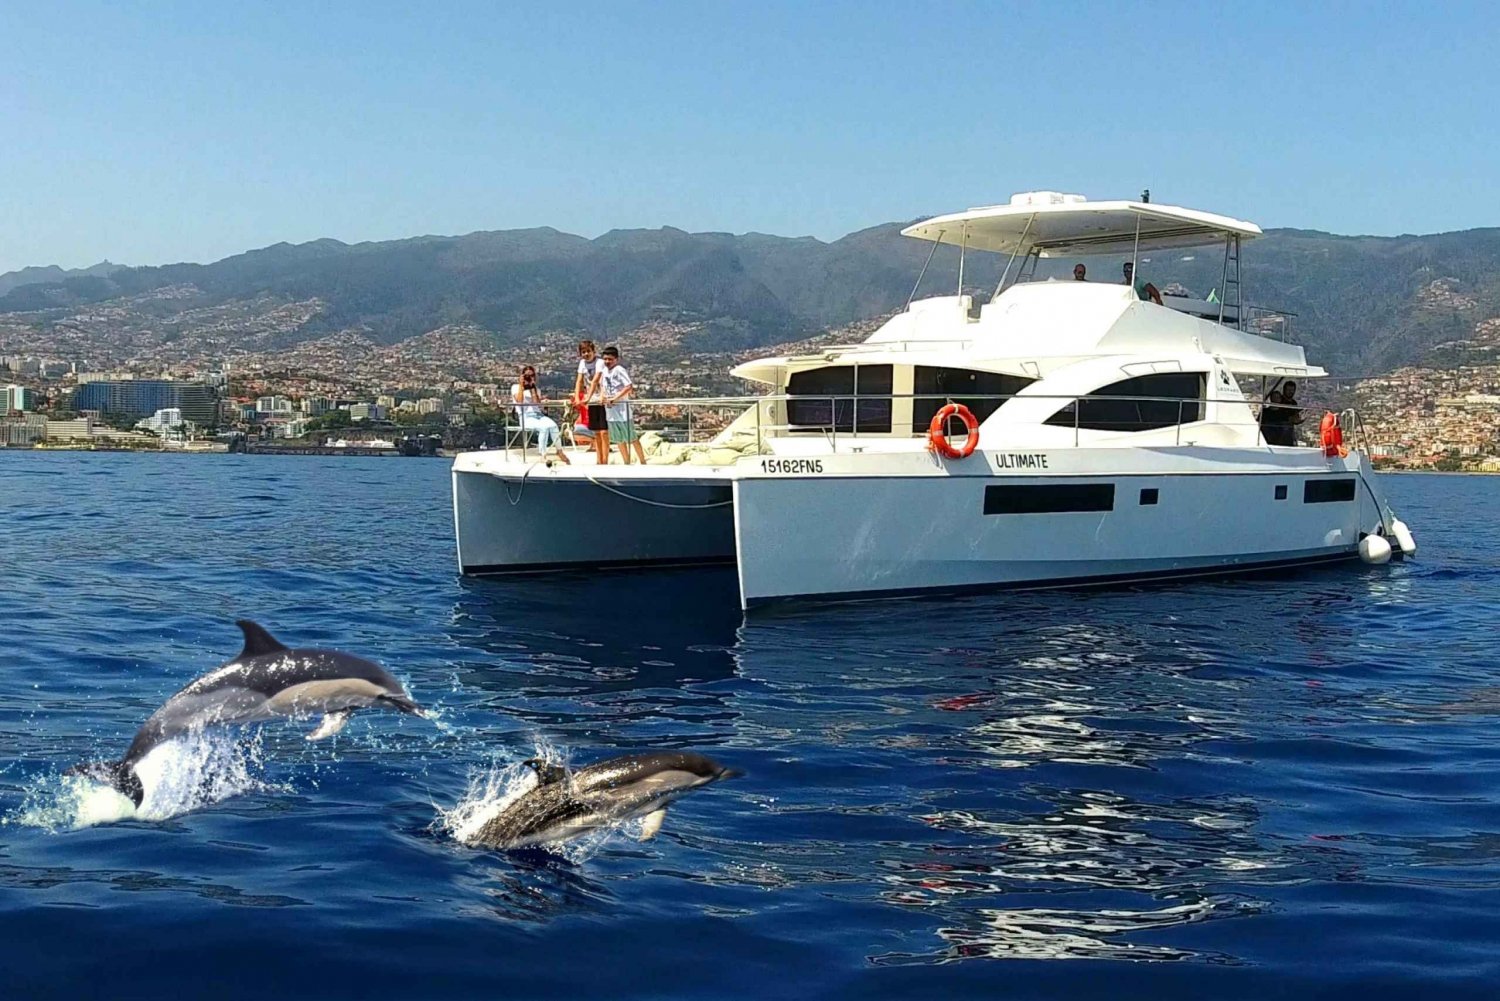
x=509, y=569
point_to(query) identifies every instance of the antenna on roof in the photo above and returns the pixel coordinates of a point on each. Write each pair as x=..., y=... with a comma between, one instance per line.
x=1146, y=196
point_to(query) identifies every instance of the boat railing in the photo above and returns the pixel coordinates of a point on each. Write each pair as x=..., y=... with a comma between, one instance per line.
x=883, y=347
x=701, y=420
x=1267, y=322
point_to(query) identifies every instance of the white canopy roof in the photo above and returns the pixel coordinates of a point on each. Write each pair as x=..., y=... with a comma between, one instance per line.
x=1069, y=226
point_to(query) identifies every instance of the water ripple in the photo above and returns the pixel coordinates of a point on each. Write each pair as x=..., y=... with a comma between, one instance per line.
x=1284, y=786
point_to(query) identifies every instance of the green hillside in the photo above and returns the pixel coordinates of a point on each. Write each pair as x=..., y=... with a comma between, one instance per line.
x=1365, y=304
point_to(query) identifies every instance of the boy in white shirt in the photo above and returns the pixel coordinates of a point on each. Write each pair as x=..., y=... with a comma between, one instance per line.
x=617, y=387
x=586, y=394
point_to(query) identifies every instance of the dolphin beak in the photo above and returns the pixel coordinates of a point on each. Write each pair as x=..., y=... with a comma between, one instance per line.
x=404, y=704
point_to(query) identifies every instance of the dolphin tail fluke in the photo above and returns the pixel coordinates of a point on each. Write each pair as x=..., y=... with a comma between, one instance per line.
x=402, y=703
x=116, y=774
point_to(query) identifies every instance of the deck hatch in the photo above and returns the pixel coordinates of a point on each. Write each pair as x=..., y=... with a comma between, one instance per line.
x=1327, y=491
x=1049, y=498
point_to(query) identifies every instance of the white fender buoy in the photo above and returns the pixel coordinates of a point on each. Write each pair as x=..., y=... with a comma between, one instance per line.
x=1403, y=537
x=1374, y=549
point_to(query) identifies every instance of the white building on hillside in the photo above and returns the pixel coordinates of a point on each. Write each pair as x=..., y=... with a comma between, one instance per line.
x=166, y=423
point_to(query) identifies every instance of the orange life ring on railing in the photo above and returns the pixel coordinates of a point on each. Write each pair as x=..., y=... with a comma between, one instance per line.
x=937, y=436
x=1333, y=436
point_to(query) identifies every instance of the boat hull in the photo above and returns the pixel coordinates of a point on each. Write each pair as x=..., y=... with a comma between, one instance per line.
x=533, y=523
x=847, y=536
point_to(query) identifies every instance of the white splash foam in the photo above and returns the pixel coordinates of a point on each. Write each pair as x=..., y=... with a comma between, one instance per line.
x=490, y=791
x=68, y=802
x=493, y=789
x=185, y=774
x=197, y=770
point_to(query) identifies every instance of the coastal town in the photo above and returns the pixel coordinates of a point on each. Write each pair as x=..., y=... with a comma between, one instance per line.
x=101, y=379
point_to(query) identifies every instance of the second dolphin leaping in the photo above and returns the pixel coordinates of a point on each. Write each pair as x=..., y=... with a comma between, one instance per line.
x=264, y=681
x=565, y=804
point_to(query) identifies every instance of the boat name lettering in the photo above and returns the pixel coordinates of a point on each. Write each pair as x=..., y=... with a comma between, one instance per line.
x=1021, y=460
x=793, y=466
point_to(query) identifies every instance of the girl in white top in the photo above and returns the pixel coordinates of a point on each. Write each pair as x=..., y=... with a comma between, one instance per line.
x=528, y=399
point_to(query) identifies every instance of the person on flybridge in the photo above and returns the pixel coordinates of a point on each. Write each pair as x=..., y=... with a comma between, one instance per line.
x=1080, y=273
x=1143, y=289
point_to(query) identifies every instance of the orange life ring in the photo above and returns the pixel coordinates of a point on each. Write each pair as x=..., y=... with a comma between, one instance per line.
x=937, y=437
x=1333, y=436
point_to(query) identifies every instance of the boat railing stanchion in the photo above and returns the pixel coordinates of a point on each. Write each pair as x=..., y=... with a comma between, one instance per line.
x=1179, y=422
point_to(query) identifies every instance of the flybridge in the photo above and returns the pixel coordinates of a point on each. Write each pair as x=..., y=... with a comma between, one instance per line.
x=1053, y=224
x=1038, y=224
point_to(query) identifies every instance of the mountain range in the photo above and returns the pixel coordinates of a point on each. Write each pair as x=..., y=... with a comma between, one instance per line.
x=52, y=274
x=1365, y=304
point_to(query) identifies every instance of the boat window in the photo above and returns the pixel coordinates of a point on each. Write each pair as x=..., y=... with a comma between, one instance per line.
x=961, y=385
x=1049, y=498
x=1157, y=404
x=1327, y=491
x=819, y=412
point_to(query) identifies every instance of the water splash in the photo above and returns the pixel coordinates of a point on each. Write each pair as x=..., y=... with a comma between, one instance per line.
x=189, y=773
x=491, y=790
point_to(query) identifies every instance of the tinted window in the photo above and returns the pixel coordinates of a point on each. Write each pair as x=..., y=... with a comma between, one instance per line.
x=819, y=412
x=961, y=385
x=1005, y=499
x=1327, y=491
x=1156, y=404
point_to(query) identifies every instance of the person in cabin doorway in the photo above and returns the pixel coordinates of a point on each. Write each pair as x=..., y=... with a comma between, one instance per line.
x=1280, y=414
x=1270, y=413
x=586, y=394
x=1287, y=414
x=1080, y=273
x=617, y=389
x=1143, y=290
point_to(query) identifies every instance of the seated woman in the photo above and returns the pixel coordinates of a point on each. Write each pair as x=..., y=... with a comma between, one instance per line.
x=529, y=405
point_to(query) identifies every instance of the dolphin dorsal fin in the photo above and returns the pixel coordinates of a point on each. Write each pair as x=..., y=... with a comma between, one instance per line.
x=257, y=640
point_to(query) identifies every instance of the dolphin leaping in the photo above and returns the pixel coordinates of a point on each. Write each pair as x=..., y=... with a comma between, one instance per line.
x=565, y=804
x=264, y=681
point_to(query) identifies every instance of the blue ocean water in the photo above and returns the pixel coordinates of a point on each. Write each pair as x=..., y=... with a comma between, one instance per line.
x=1254, y=788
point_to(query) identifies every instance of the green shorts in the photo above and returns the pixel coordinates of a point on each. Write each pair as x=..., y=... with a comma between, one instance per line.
x=622, y=432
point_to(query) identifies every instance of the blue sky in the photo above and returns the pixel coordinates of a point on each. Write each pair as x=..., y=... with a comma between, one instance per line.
x=164, y=132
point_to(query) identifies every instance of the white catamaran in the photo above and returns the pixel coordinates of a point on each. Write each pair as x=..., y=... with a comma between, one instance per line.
x=1065, y=432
